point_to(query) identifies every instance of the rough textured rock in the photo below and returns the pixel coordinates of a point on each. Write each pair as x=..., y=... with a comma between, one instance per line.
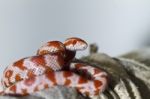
x=141, y=55
x=59, y=92
x=137, y=64
x=129, y=77
x=120, y=84
x=140, y=74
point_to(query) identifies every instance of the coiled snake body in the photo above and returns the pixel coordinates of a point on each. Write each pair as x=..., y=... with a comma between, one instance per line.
x=53, y=66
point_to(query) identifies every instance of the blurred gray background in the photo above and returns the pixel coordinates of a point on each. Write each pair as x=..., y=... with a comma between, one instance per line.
x=117, y=26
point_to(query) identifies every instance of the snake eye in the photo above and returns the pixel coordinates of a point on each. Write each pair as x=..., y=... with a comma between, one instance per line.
x=52, y=47
x=75, y=44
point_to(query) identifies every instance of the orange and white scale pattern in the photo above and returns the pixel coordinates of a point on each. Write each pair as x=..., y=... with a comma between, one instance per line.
x=43, y=71
x=98, y=76
x=65, y=78
x=31, y=66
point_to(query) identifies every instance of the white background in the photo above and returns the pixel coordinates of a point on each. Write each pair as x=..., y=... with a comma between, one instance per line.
x=117, y=26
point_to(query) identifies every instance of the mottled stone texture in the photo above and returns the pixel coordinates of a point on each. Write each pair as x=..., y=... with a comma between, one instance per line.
x=129, y=78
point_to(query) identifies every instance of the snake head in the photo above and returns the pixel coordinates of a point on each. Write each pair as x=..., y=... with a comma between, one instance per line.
x=67, y=49
x=72, y=45
x=75, y=44
x=52, y=47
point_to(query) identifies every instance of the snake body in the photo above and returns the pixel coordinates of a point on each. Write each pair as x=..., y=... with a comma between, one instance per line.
x=31, y=66
x=46, y=69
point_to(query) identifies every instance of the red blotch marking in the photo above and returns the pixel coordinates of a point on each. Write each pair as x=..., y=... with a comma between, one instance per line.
x=57, y=44
x=82, y=80
x=13, y=88
x=18, y=78
x=19, y=64
x=67, y=74
x=73, y=41
x=30, y=74
x=48, y=70
x=30, y=81
x=24, y=92
x=51, y=77
x=39, y=60
x=68, y=42
x=8, y=73
x=67, y=82
x=97, y=83
x=42, y=52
